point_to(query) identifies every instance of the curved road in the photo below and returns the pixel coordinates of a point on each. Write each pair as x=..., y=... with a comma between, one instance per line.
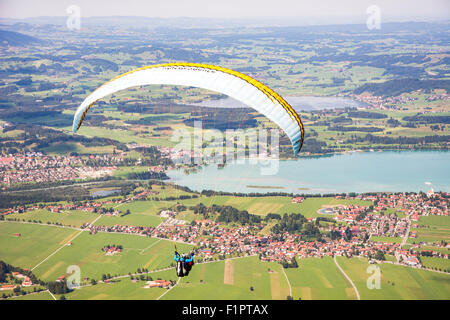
x=348, y=278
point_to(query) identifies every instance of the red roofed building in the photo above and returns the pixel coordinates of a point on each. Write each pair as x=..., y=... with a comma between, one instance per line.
x=5, y=160
x=8, y=287
x=413, y=261
x=297, y=200
x=27, y=282
x=157, y=284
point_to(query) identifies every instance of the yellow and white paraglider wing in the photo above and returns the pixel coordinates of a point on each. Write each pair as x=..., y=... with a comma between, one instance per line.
x=231, y=83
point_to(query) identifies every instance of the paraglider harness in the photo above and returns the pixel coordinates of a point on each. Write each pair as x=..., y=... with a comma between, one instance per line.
x=184, y=263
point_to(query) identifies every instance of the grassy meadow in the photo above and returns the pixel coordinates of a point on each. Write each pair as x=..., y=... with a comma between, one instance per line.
x=397, y=282
x=138, y=252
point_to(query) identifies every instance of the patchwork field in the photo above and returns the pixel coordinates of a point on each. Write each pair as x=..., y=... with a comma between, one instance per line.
x=124, y=136
x=319, y=279
x=430, y=234
x=68, y=217
x=241, y=278
x=431, y=229
x=85, y=251
x=65, y=148
x=133, y=219
x=436, y=263
x=123, y=289
x=35, y=243
x=43, y=295
x=277, y=204
x=207, y=280
x=397, y=282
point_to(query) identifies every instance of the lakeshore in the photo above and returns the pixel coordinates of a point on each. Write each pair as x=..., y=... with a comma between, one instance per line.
x=387, y=171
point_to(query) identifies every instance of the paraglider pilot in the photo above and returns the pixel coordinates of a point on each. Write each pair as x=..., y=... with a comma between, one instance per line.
x=184, y=263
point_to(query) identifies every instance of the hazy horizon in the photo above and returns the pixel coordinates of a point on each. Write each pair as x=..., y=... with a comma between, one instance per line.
x=287, y=11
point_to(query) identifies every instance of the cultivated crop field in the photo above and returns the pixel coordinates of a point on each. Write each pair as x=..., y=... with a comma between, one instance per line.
x=430, y=234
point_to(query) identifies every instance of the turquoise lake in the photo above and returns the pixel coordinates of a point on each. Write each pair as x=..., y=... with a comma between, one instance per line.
x=389, y=171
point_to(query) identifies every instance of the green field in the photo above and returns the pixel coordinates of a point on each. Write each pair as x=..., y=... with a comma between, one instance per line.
x=276, y=204
x=319, y=279
x=68, y=217
x=430, y=234
x=208, y=280
x=434, y=248
x=123, y=289
x=242, y=278
x=436, y=221
x=386, y=239
x=432, y=229
x=397, y=282
x=436, y=263
x=125, y=136
x=133, y=219
x=138, y=252
x=66, y=148
x=34, y=245
x=142, y=213
x=43, y=295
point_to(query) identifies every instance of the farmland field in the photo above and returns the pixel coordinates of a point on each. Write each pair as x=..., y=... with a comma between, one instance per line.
x=67, y=217
x=397, y=282
x=385, y=239
x=436, y=263
x=85, y=251
x=264, y=205
x=430, y=234
x=43, y=295
x=123, y=289
x=373, y=122
x=207, y=279
x=319, y=279
x=436, y=221
x=35, y=243
x=134, y=219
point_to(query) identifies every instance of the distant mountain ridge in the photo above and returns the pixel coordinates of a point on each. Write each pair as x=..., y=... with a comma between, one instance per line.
x=190, y=22
x=11, y=38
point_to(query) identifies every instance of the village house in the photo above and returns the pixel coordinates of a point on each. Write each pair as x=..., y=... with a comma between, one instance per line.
x=412, y=261
x=112, y=250
x=157, y=284
x=8, y=287
x=297, y=200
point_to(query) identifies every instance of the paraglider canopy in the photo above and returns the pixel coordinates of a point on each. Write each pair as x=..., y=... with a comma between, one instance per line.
x=229, y=82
